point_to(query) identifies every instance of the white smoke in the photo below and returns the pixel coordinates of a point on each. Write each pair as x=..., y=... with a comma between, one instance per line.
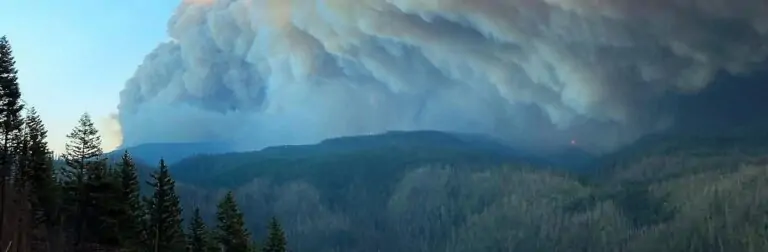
x=539, y=72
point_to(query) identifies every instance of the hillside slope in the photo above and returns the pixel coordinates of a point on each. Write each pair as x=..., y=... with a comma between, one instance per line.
x=431, y=191
x=340, y=159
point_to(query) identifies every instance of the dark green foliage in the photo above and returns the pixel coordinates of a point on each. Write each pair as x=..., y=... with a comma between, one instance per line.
x=106, y=206
x=199, y=237
x=131, y=214
x=11, y=119
x=84, y=146
x=336, y=161
x=11, y=122
x=673, y=195
x=92, y=191
x=276, y=240
x=641, y=207
x=39, y=167
x=165, y=232
x=84, y=172
x=232, y=234
x=83, y=155
x=22, y=173
x=146, y=225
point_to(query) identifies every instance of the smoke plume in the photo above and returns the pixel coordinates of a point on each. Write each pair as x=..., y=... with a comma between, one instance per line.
x=535, y=72
x=111, y=136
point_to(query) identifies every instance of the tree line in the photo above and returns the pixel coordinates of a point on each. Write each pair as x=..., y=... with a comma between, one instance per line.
x=87, y=204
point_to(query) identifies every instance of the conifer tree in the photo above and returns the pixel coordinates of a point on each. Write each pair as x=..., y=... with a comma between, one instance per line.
x=199, y=239
x=131, y=213
x=10, y=120
x=39, y=170
x=165, y=231
x=276, y=241
x=83, y=152
x=83, y=173
x=232, y=234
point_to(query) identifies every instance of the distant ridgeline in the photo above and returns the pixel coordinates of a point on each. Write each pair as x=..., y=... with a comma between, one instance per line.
x=381, y=156
x=170, y=152
x=216, y=163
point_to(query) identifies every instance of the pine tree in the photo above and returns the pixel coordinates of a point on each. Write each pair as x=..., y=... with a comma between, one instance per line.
x=199, y=239
x=39, y=165
x=39, y=175
x=132, y=213
x=85, y=166
x=232, y=234
x=276, y=241
x=165, y=232
x=11, y=121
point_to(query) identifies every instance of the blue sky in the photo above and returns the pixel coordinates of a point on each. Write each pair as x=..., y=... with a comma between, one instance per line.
x=75, y=56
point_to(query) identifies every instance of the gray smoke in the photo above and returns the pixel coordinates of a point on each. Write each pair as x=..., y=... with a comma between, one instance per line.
x=535, y=72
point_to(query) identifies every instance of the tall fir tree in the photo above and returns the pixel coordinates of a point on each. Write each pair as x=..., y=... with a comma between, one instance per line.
x=83, y=154
x=11, y=122
x=84, y=165
x=132, y=213
x=83, y=151
x=39, y=175
x=232, y=235
x=165, y=231
x=199, y=238
x=276, y=241
x=11, y=106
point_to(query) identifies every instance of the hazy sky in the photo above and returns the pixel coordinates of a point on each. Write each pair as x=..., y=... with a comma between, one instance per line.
x=75, y=56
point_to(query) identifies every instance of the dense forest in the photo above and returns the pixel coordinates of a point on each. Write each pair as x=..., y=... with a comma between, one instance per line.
x=663, y=194
x=399, y=191
x=89, y=203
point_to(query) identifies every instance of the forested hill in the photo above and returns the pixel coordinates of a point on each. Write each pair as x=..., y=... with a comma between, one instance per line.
x=433, y=191
x=379, y=157
x=436, y=191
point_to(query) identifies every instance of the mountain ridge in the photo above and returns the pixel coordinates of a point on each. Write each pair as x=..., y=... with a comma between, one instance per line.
x=151, y=153
x=408, y=148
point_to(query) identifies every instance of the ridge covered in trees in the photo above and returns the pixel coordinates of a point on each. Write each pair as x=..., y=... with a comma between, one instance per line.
x=673, y=194
x=87, y=204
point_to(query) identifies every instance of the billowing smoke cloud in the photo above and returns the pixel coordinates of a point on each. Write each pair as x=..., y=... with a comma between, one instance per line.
x=536, y=72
